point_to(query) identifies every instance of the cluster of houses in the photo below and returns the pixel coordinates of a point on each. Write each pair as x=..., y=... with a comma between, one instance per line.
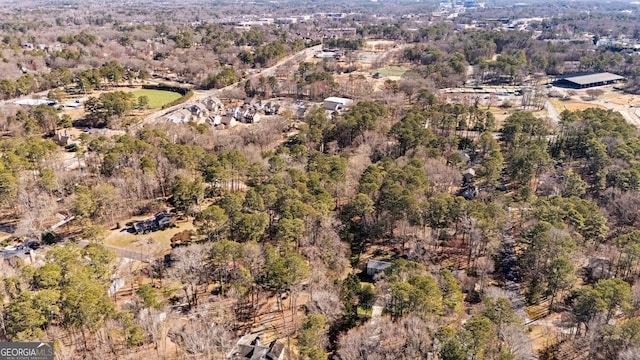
x=160, y=221
x=250, y=112
x=46, y=47
x=248, y=21
x=213, y=112
x=196, y=111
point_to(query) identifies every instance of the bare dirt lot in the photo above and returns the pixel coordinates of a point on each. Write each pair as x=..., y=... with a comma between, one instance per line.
x=576, y=106
x=622, y=99
x=380, y=45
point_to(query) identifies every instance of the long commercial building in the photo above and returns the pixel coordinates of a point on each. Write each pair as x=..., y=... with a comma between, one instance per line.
x=583, y=81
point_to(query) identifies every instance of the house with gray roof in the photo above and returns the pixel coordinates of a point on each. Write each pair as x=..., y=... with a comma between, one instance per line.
x=249, y=347
x=376, y=266
x=583, y=81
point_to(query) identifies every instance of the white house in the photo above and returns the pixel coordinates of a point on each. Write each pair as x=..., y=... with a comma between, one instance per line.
x=337, y=103
x=214, y=120
x=180, y=116
x=213, y=104
x=228, y=121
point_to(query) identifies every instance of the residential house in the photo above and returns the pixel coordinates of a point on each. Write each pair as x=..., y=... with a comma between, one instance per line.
x=468, y=190
x=160, y=221
x=271, y=108
x=337, y=103
x=62, y=138
x=237, y=113
x=467, y=176
x=251, y=101
x=249, y=347
x=163, y=219
x=252, y=116
x=228, y=121
x=213, y=104
x=376, y=266
x=214, y=120
x=198, y=110
x=180, y=116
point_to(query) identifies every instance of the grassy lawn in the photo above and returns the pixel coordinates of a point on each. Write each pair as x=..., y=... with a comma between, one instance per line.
x=393, y=71
x=157, y=98
x=155, y=243
x=121, y=240
x=362, y=312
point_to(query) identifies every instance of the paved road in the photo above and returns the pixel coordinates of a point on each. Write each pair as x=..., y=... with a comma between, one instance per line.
x=8, y=254
x=512, y=277
x=553, y=114
x=376, y=313
x=628, y=114
x=513, y=289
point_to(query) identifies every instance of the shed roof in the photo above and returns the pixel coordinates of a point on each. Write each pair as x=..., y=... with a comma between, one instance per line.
x=378, y=265
x=593, y=78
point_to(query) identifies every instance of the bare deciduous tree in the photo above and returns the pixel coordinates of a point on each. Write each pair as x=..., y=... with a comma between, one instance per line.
x=484, y=266
x=207, y=339
x=409, y=338
x=190, y=270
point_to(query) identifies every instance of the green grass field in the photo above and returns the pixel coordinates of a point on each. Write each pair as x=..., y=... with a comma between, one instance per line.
x=393, y=71
x=157, y=98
